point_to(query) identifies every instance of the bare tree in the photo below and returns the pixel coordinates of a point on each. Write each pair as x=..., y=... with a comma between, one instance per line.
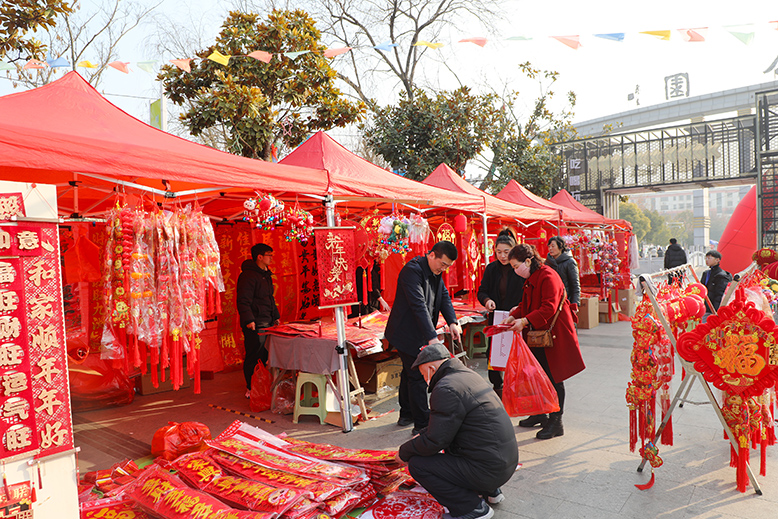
x=88, y=35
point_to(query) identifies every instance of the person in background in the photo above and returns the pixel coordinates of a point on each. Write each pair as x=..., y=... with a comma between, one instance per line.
x=675, y=256
x=544, y=292
x=715, y=280
x=421, y=297
x=561, y=260
x=500, y=289
x=468, y=450
x=256, y=307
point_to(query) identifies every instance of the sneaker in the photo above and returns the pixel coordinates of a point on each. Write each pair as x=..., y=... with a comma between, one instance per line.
x=402, y=422
x=248, y=393
x=482, y=512
x=495, y=497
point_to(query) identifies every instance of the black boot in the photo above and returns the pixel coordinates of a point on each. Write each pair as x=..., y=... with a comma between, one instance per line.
x=535, y=419
x=552, y=428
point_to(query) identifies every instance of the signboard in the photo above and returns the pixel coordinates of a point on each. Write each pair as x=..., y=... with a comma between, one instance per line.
x=336, y=258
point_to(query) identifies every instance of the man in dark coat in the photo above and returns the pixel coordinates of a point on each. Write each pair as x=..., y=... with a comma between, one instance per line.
x=715, y=279
x=469, y=449
x=421, y=296
x=675, y=256
x=256, y=307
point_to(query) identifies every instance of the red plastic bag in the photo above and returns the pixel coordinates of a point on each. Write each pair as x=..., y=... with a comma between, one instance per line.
x=526, y=390
x=261, y=395
x=176, y=439
x=283, y=403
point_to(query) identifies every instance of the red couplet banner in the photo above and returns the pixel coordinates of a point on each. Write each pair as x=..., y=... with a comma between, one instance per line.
x=336, y=257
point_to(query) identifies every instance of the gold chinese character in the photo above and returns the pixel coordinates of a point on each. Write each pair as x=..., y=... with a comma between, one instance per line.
x=16, y=406
x=44, y=338
x=49, y=399
x=39, y=272
x=40, y=306
x=14, y=383
x=9, y=206
x=11, y=355
x=5, y=240
x=10, y=328
x=52, y=435
x=18, y=437
x=9, y=301
x=7, y=272
x=28, y=240
x=46, y=364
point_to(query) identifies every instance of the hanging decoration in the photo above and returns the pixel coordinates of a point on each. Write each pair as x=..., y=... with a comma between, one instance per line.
x=395, y=231
x=446, y=232
x=299, y=225
x=418, y=229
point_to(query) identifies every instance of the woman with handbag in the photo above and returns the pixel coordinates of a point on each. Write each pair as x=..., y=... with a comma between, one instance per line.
x=546, y=321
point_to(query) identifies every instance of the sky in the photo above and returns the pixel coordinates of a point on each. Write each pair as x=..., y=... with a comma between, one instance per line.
x=602, y=73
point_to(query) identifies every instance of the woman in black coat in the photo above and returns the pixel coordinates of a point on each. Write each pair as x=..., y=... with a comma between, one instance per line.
x=561, y=260
x=501, y=289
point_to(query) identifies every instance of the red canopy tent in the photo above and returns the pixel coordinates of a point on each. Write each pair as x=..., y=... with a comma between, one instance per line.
x=518, y=194
x=66, y=132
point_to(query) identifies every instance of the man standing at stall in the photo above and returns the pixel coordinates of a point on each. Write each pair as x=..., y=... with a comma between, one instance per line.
x=421, y=296
x=715, y=280
x=256, y=307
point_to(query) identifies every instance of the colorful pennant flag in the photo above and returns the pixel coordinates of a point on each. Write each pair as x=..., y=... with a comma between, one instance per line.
x=86, y=64
x=662, y=35
x=121, y=66
x=34, y=64
x=261, y=55
x=183, y=64
x=148, y=66
x=220, y=58
x=571, y=41
x=58, y=62
x=385, y=46
x=478, y=40
x=331, y=53
x=741, y=32
x=422, y=43
x=519, y=38
x=613, y=36
x=295, y=55
x=693, y=35
x=7, y=66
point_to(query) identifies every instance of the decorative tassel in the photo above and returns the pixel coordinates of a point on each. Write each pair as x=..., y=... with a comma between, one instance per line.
x=633, y=429
x=143, y=357
x=381, y=276
x=742, y=475
x=648, y=485
x=40, y=479
x=155, y=367
x=763, y=458
x=196, y=351
x=667, y=432
x=732, y=456
x=642, y=423
x=364, y=287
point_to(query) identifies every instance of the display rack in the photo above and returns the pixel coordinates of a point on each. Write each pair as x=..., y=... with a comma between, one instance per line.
x=687, y=275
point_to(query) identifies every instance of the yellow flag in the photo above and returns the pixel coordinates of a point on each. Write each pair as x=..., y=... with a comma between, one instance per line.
x=86, y=64
x=421, y=43
x=662, y=35
x=220, y=58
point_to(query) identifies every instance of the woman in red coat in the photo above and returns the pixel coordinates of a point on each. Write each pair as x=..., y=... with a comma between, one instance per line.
x=543, y=293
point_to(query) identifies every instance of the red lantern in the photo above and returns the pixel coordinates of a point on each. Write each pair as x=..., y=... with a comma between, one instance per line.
x=460, y=223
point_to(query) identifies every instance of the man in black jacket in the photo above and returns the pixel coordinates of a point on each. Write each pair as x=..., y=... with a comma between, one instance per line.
x=715, y=279
x=469, y=449
x=675, y=256
x=256, y=307
x=421, y=296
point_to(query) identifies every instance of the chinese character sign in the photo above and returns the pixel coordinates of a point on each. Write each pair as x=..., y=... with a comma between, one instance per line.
x=336, y=258
x=34, y=399
x=676, y=86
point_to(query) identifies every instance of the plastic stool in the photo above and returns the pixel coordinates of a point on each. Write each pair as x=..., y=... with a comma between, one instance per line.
x=305, y=405
x=473, y=331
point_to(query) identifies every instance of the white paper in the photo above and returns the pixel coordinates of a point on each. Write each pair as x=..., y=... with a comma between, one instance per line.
x=501, y=343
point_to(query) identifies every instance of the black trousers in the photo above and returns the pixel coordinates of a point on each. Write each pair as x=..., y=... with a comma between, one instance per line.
x=540, y=354
x=254, y=345
x=413, y=393
x=495, y=377
x=454, y=482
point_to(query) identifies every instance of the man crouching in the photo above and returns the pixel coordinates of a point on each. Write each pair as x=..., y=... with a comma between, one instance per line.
x=468, y=420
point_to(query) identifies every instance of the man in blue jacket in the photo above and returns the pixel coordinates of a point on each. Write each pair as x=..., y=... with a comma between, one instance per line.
x=421, y=296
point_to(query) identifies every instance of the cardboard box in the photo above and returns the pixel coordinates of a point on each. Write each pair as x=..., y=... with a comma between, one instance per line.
x=627, y=301
x=144, y=386
x=614, y=317
x=379, y=370
x=587, y=313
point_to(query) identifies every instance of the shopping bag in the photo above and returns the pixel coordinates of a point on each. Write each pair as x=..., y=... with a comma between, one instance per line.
x=261, y=396
x=176, y=439
x=526, y=389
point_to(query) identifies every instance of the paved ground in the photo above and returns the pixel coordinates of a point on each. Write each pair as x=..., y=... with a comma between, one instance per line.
x=587, y=473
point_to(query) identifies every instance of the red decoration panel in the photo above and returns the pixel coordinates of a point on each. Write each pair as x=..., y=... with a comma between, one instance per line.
x=336, y=258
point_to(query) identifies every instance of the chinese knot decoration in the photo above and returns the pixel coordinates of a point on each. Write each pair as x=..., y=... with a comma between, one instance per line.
x=265, y=211
x=608, y=262
x=299, y=225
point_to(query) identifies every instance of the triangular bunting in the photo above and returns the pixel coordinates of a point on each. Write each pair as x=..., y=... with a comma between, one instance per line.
x=741, y=32
x=58, y=62
x=331, y=53
x=662, y=35
x=86, y=64
x=385, y=46
x=34, y=64
x=693, y=35
x=261, y=55
x=478, y=40
x=612, y=36
x=147, y=66
x=422, y=43
x=296, y=54
x=219, y=58
x=183, y=64
x=7, y=66
x=570, y=41
x=121, y=66
x=519, y=38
